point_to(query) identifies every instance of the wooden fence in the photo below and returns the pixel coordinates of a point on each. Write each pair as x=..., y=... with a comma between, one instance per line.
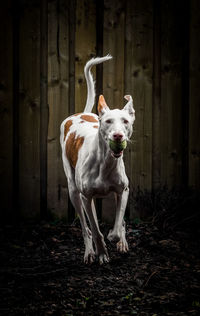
x=44, y=47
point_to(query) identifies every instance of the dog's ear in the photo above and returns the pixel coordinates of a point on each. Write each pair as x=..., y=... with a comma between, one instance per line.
x=129, y=105
x=102, y=106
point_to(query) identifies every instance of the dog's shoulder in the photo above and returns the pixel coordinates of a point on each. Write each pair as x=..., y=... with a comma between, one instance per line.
x=81, y=123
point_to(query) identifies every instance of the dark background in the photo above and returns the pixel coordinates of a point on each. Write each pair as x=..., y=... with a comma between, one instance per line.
x=44, y=47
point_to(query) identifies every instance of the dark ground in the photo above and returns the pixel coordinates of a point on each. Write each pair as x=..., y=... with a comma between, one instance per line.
x=42, y=273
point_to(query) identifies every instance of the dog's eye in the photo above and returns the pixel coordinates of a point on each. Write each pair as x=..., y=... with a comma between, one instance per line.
x=126, y=121
x=108, y=121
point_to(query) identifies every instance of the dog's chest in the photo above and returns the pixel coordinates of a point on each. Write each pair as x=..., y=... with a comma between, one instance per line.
x=93, y=183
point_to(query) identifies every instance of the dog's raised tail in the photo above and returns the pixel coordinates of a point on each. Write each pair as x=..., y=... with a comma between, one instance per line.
x=90, y=81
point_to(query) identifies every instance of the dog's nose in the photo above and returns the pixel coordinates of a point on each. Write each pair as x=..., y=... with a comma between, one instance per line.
x=117, y=136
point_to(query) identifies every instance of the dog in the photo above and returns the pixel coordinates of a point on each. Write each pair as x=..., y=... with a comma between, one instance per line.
x=92, y=153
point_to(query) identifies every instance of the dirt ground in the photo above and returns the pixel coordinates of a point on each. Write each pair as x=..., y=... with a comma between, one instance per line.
x=42, y=273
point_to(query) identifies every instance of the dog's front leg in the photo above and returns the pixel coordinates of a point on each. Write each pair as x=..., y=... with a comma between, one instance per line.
x=118, y=233
x=97, y=236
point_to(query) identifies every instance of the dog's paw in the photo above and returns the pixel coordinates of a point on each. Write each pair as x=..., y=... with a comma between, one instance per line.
x=122, y=246
x=102, y=254
x=113, y=236
x=103, y=258
x=89, y=257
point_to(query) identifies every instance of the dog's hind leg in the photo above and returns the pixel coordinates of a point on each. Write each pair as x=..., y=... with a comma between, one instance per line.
x=98, y=238
x=89, y=255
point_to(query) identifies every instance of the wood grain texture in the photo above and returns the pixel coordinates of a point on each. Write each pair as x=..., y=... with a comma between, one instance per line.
x=29, y=116
x=156, y=102
x=85, y=48
x=15, y=114
x=72, y=31
x=113, y=44
x=171, y=93
x=194, y=114
x=44, y=115
x=6, y=111
x=138, y=83
x=185, y=26
x=58, y=97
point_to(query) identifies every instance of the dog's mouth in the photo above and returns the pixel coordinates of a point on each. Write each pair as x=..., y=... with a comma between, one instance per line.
x=117, y=147
x=116, y=155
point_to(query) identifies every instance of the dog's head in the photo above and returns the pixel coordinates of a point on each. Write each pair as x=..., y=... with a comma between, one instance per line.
x=116, y=125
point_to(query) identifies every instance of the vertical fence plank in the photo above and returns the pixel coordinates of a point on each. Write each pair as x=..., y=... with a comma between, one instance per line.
x=85, y=48
x=185, y=35
x=43, y=106
x=6, y=111
x=113, y=43
x=29, y=116
x=171, y=96
x=72, y=30
x=138, y=82
x=156, y=107
x=16, y=31
x=58, y=97
x=194, y=115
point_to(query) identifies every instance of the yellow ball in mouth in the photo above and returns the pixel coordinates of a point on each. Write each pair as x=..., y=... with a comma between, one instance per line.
x=117, y=146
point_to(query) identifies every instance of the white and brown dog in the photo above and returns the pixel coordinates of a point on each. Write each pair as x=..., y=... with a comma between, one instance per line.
x=94, y=168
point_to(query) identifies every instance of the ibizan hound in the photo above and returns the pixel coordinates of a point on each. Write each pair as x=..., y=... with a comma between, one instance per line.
x=93, y=169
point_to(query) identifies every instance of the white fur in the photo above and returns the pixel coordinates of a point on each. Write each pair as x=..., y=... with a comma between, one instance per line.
x=98, y=172
x=90, y=81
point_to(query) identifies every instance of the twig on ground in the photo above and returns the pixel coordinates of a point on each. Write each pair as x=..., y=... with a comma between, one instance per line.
x=151, y=275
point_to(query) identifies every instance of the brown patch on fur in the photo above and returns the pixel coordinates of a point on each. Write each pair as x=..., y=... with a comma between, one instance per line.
x=89, y=118
x=68, y=124
x=95, y=126
x=101, y=104
x=73, y=146
x=82, y=121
